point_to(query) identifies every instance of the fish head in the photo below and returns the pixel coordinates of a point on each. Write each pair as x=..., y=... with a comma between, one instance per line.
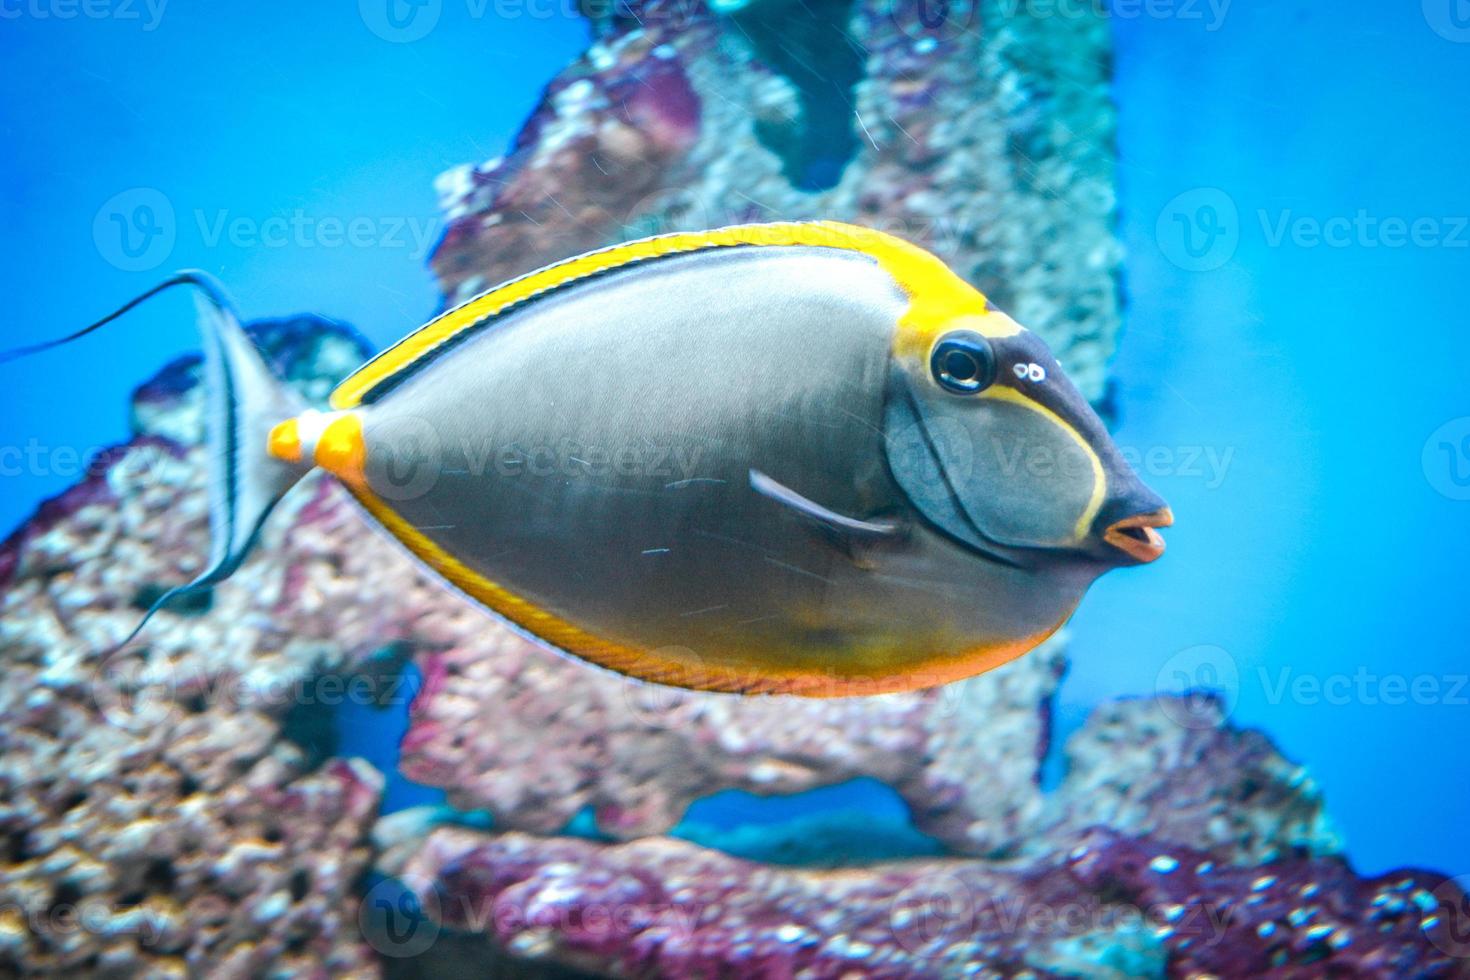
x=993, y=443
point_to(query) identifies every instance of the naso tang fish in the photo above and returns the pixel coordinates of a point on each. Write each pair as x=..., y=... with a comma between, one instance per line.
x=800, y=457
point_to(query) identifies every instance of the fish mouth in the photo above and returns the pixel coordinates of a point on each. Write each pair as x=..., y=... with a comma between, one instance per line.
x=1137, y=536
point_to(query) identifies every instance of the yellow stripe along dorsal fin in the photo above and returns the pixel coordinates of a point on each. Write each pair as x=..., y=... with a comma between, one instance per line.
x=935, y=293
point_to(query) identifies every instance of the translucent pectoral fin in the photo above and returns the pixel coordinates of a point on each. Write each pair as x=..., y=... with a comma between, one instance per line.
x=853, y=536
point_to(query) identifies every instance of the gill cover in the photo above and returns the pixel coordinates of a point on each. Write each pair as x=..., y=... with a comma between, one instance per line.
x=1010, y=465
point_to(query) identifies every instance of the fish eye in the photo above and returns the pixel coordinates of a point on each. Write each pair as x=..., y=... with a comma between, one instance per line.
x=963, y=362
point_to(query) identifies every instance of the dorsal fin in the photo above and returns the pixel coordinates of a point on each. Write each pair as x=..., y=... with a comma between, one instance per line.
x=911, y=266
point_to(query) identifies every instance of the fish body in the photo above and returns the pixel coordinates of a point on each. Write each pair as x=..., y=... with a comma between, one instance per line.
x=791, y=458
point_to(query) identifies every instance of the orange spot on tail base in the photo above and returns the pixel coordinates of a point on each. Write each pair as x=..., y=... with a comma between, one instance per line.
x=341, y=451
x=285, y=441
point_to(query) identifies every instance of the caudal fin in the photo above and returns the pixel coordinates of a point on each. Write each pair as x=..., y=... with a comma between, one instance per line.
x=243, y=401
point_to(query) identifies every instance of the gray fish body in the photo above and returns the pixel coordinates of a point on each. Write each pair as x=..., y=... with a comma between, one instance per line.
x=591, y=455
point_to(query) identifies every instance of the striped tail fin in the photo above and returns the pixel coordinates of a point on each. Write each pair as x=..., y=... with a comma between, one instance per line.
x=243, y=401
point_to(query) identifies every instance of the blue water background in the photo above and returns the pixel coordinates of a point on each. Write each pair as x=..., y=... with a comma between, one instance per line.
x=1324, y=549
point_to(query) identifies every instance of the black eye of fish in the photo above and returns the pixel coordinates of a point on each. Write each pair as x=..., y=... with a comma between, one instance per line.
x=963, y=362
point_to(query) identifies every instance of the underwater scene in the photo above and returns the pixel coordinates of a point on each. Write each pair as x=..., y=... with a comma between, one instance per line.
x=735, y=488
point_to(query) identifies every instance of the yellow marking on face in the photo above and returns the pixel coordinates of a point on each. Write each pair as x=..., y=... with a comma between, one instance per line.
x=928, y=320
x=340, y=449
x=284, y=441
x=936, y=295
x=664, y=665
x=1099, y=476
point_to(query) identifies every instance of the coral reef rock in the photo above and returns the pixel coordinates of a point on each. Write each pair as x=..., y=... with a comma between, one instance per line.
x=1108, y=907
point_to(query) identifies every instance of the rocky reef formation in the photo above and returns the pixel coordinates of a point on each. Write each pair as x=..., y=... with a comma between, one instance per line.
x=1107, y=907
x=1171, y=850
x=183, y=808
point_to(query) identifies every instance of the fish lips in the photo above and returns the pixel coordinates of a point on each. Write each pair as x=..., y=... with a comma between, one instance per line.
x=1137, y=536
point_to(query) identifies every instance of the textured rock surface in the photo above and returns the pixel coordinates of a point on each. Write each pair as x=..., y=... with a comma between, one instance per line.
x=1173, y=770
x=1105, y=907
x=1151, y=865
x=983, y=134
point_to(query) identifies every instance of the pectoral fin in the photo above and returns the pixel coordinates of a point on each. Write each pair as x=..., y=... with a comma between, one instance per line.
x=853, y=536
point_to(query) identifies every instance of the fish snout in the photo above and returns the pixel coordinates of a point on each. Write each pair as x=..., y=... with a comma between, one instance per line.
x=1129, y=526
